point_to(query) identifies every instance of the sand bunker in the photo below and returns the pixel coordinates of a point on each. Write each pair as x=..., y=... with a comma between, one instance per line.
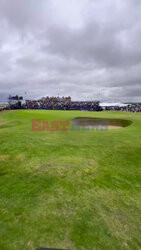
x=89, y=123
x=114, y=127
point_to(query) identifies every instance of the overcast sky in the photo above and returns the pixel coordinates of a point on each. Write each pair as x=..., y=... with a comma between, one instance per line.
x=88, y=49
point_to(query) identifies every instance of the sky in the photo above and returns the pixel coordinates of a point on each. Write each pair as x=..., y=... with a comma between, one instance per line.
x=88, y=49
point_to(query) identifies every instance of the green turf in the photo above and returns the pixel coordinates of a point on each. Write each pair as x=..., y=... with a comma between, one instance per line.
x=74, y=189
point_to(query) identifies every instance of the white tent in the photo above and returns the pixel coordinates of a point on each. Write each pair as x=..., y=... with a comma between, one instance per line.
x=112, y=104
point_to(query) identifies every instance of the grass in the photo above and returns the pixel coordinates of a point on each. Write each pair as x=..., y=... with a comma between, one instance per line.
x=74, y=189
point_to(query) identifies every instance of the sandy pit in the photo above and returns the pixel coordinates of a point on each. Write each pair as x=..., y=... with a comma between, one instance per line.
x=101, y=124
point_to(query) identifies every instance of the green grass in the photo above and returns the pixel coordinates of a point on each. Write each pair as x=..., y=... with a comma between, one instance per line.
x=74, y=189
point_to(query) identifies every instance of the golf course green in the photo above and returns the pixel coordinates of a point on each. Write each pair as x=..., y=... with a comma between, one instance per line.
x=69, y=189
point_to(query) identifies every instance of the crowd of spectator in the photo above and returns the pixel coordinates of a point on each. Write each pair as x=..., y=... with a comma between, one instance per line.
x=127, y=108
x=65, y=103
x=132, y=108
x=62, y=103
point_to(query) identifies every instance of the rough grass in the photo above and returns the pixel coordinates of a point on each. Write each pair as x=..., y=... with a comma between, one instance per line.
x=74, y=189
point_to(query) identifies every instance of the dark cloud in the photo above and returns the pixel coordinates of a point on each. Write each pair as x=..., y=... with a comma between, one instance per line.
x=86, y=49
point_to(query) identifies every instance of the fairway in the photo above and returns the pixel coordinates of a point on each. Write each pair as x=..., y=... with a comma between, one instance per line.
x=69, y=189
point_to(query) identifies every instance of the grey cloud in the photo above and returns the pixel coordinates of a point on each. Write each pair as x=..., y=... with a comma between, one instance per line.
x=97, y=55
x=101, y=45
